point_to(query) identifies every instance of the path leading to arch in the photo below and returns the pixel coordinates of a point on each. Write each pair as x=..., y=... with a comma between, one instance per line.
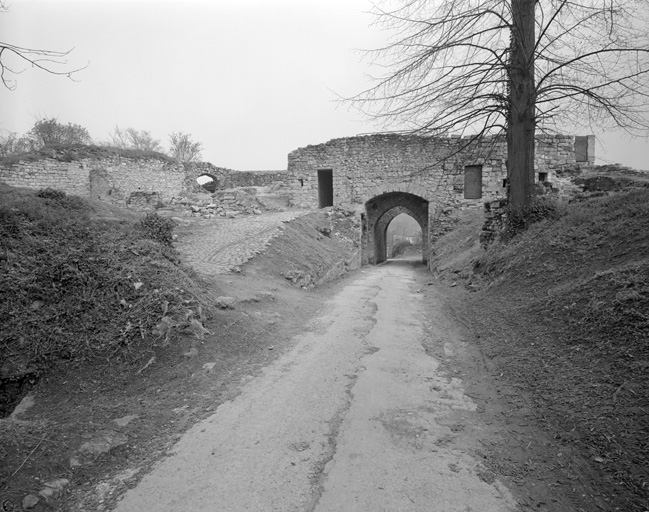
x=220, y=245
x=363, y=414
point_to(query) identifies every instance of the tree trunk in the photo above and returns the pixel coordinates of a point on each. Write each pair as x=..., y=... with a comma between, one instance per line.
x=521, y=122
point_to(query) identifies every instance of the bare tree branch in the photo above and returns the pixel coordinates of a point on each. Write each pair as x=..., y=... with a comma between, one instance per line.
x=51, y=61
x=480, y=66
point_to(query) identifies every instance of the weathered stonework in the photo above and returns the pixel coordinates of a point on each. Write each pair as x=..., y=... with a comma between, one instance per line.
x=71, y=177
x=106, y=176
x=229, y=178
x=378, y=175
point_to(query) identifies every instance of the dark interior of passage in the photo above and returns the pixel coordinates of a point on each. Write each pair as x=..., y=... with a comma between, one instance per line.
x=325, y=188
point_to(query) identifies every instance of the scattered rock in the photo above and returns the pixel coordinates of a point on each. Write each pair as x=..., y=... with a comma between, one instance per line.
x=30, y=501
x=103, y=442
x=22, y=407
x=225, y=302
x=209, y=366
x=125, y=420
x=54, y=488
x=197, y=329
x=193, y=352
x=266, y=295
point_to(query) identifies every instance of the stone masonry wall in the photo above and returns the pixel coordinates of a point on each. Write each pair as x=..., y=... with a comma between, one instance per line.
x=229, y=178
x=99, y=174
x=433, y=168
x=71, y=177
x=116, y=179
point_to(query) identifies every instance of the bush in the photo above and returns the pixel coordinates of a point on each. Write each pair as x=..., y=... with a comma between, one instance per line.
x=76, y=287
x=158, y=228
x=58, y=198
x=541, y=209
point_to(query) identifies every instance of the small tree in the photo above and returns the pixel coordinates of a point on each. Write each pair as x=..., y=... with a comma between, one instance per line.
x=13, y=144
x=182, y=148
x=130, y=138
x=49, y=132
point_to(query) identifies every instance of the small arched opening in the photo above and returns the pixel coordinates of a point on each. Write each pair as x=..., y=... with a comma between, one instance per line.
x=208, y=182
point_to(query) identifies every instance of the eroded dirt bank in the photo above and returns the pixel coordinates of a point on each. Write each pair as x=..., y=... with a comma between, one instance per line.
x=362, y=414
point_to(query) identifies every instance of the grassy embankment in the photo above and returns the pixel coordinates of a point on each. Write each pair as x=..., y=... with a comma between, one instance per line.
x=76, y=287
x=564, y=316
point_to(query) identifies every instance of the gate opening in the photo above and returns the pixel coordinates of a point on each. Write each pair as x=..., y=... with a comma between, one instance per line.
x=325, y=187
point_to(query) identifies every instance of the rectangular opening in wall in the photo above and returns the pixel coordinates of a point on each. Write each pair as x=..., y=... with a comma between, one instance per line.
x=543, y=177
x=581, y=148
x=325, y=188
x=473, y=182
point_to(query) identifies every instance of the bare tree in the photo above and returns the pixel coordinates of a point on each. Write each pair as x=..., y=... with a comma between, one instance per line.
x=183, y=149
x=13, y=58
x=130, y=138
x=512, y=67
x=49, y=132
x=12, y=144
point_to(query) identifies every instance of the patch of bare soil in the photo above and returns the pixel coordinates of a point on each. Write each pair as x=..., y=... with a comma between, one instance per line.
x=561, y=319
x=98, y=424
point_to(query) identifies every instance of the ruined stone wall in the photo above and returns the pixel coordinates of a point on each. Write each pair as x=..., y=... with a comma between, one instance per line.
x=195, y=169
x=433, y=168
x=99, y=174
x=257, y=179
x=365, y=167
x=71, y=177
x=116, y=179
x=229, y=178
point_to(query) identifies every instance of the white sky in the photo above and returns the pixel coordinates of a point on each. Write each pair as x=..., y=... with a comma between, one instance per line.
x=250, y=79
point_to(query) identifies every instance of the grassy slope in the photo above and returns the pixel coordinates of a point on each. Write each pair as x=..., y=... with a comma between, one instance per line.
x=73, y=286
x=564, y=313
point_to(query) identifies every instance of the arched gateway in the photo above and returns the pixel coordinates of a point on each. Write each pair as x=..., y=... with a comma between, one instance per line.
x=381, y=176
x=380, y=211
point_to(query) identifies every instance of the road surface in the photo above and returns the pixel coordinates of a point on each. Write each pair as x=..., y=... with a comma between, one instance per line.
x=361, y=415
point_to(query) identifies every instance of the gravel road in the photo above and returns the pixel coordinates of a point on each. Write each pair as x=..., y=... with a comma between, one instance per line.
x=361, y=415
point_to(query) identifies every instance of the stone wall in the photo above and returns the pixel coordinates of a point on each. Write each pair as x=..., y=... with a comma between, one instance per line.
x=116, y=179
x=138, y=182
x=98, y=173
x=364, y=167
x=71, y=177
x=370, y=172
x=229, y=178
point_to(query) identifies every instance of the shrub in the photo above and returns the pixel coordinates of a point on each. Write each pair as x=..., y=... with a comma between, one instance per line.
x=59, y=198
x=541, y=209
x=158, y=228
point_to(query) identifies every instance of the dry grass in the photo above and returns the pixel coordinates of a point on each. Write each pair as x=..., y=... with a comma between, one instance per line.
x=577, y=289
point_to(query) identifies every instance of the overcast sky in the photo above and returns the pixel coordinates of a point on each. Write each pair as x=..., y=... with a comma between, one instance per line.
x=250, y=79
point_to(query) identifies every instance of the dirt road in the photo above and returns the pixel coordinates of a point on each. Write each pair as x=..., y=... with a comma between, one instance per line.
x=360, y=415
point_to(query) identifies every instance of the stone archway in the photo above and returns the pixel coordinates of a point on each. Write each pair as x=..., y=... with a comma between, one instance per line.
x=379, y=212
x=208, y=182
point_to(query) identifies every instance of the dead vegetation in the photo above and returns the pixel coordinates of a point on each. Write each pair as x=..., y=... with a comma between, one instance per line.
x=75, y=287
